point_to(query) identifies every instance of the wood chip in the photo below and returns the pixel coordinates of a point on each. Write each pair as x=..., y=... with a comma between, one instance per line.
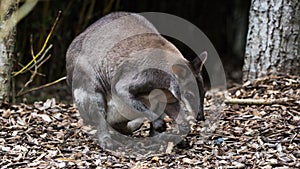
x=52, y=135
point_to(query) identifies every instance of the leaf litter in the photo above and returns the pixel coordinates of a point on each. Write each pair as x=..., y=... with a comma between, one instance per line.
x=51, y=135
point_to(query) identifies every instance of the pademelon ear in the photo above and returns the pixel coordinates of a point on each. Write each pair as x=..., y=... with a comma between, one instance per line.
x=180, y=71
x=199, y=61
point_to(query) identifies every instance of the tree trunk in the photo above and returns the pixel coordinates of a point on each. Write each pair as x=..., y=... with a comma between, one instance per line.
x=7, y=43
x=273, y=39
x=9, y=17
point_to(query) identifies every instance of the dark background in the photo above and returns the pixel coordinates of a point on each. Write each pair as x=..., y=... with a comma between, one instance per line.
x=224, y=23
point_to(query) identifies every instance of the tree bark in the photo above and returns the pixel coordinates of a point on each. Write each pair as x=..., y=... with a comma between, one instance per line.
x=7, y=43
x=273, y=39
x=9, y=17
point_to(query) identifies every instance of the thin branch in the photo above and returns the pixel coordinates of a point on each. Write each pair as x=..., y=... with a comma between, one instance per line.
x=36, y=62
x=43, y=86
x=43, y=61
x=36, y=67
x=43, y=48
x=40, y=59
x=35, y=72
x=31, y=71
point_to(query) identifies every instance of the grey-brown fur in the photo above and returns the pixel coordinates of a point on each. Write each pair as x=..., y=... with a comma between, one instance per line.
x=101, y=61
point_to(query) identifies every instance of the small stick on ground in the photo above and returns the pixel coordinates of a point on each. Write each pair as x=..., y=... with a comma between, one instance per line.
x=255, y=101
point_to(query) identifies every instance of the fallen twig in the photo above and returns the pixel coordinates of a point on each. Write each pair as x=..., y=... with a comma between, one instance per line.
x=255, y=101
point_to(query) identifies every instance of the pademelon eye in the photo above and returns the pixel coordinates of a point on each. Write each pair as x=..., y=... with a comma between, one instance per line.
x=189, y=95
